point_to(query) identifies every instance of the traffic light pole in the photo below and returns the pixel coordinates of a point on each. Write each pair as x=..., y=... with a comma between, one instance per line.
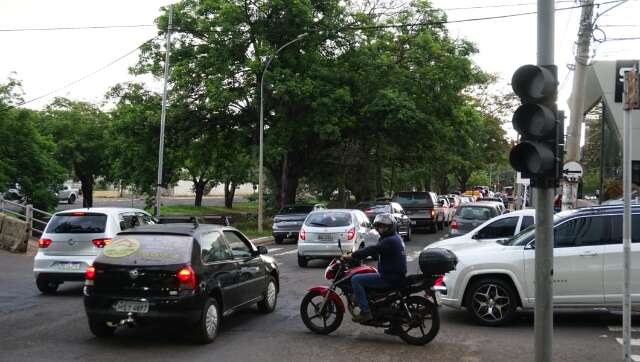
x=543, y=318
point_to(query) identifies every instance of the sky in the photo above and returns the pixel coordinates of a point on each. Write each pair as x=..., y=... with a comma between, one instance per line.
x=47, y=60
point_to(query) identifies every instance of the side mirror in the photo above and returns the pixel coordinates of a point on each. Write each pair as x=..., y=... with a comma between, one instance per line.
x=262, y=250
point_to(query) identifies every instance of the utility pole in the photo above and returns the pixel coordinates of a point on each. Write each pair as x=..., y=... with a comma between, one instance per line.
x=164, y=111
x=631, y=101
x=543, y=317
x=576, y=103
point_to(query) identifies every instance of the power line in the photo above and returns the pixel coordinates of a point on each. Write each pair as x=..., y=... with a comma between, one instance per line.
x=79, y=28
x=622, y=39
x=442, y=22
x=501, y=5
x=80, y=79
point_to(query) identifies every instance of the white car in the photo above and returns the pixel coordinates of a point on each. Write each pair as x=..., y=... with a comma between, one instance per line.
x=68, y=194
x=492, y=280
x=500, y=227
x=73, y=238
x=327, y=234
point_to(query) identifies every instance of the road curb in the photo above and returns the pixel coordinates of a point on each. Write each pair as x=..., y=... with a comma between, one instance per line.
x=267, y=240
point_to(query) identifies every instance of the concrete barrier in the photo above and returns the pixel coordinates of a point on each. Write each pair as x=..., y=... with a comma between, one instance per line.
x=14, y=235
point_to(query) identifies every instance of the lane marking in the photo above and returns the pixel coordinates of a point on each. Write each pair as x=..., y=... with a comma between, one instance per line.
x=634, y=341
x=287, y=252
x=275, y=249
x=619, y=329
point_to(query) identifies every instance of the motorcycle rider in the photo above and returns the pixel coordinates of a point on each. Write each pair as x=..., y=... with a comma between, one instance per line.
x=392, y=264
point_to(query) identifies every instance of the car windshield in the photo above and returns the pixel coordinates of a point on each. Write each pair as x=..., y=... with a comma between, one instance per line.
x=77, y=223
x=329, y=219
x=296, y=209
x=474, y=213
x=408, y=198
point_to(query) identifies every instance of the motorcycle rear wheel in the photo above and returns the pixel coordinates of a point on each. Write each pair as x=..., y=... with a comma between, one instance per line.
x=418, y=331
x=328, y=321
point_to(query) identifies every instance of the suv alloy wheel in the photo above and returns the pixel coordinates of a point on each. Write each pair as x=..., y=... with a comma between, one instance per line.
x=491, y=301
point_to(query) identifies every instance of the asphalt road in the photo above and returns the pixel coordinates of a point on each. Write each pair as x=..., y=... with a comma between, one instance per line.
x=54, y=328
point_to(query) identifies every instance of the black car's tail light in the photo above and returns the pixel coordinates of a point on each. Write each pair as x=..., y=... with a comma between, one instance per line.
x=101, y=243
x=187, y=278
x=89, y=275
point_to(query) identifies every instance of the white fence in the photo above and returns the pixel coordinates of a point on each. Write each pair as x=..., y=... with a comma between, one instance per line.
x=37, y=219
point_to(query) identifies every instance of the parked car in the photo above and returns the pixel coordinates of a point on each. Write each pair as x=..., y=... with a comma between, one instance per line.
x=493, y=280
x=471, y=215
x=373, y=208
x=422, y=208
x=73, y=238
x=497, y=200
x=68, y=194
x=498, y=228
x=287, y=222
x=185, y=274
x=329, y=233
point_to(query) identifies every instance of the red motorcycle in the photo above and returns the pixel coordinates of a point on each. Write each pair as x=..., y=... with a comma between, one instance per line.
x=414, y=318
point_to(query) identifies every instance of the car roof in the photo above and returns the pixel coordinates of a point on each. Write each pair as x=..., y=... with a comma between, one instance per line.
x=335, y=210
x=187, y=229
x=103, y=210
x=481, y=203
x=525, y=212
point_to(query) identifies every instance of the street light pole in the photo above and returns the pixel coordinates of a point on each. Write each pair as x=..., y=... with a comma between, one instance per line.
x=260, y=167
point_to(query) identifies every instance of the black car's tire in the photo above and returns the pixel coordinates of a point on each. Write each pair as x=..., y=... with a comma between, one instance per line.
x=302, y=261
x=278, y=239
x=206, y=330
x=100, y=329
x=408, y=236
x=416, y=331
x=330, y=308
x=269, y=297
x=46, y=286
x=72, y=199
x=491, y=301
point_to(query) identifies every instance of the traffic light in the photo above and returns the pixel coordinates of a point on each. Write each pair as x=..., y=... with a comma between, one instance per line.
x=538, y=155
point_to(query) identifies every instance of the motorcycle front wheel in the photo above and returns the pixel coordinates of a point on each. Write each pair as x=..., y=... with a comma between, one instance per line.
x=424, y=324
x=321, y=322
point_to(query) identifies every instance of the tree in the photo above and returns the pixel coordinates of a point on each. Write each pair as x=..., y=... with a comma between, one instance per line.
x=79, y=130
x=26, y=156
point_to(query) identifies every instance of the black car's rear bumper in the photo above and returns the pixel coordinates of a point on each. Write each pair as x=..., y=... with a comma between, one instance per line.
x=422, y=222
x=286, y=234
x=180, y=309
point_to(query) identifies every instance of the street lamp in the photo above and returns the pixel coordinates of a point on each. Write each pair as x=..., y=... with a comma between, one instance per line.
x=260, y=170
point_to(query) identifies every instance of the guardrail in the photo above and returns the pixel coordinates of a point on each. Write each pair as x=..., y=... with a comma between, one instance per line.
x=36, y=219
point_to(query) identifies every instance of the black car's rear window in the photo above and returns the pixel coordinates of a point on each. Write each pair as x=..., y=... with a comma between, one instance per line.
x=328, y=219
x=147, y=249
x=296, y=209
x=417, y=198
x=77, y=223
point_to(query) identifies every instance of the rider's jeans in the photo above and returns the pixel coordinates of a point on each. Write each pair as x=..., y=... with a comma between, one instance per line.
x=360, y=281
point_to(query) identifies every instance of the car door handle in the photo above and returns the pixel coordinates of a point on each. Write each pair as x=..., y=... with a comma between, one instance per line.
x=589, y=253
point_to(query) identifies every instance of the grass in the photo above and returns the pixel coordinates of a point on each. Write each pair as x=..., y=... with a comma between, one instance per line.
x=249, y=227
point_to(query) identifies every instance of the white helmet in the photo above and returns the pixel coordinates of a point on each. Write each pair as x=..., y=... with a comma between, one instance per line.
x=386, y=221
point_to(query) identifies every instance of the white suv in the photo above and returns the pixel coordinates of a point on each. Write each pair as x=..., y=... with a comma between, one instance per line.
x=73, y=238
x=492, y=280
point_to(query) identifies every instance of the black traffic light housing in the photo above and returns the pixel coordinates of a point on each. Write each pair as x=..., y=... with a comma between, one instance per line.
x=538, y=155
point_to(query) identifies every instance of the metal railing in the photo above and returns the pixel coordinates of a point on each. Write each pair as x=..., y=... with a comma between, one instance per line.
x=36, y=219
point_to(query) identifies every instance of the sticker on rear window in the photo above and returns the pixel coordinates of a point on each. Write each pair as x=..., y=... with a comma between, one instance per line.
x=121, y=248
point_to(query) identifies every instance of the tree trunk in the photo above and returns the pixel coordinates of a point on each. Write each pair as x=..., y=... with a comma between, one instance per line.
x=87, y=190
x=199, y=186
x=229, y=193
x=284, y=184
x=292, y=188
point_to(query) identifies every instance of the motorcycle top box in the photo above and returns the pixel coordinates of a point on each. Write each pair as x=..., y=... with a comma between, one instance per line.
x=437, y=261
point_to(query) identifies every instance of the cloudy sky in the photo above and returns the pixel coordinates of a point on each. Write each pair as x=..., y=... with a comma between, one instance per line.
x=48, y=60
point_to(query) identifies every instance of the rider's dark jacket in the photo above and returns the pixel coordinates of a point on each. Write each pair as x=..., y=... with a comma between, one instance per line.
x=392, y=260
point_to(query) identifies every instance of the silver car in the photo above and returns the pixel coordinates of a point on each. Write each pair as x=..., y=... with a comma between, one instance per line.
x=68, y=194
x=73, y=238
x=325, y=232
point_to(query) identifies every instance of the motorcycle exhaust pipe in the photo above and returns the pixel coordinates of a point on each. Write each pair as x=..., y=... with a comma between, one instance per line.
x=128, y=322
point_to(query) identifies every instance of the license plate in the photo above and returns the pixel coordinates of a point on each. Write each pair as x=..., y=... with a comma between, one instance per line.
x=325, y=237
x=69, y=266
x=413, y=222
x=132, y=306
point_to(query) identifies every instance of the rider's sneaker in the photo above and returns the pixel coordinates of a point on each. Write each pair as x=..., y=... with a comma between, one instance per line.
x=363, y=317
x=392, y=331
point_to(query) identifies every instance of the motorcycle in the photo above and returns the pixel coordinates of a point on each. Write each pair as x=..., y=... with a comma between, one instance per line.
x=414, y=318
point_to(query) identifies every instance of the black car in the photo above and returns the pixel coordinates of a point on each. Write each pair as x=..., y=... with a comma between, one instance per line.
x=288, y=221
x=373, y=208
x=178, y=273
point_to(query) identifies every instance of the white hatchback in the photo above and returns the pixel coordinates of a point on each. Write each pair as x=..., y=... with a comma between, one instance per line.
x=73, y=238
x=500, y=227
x=326, y=234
